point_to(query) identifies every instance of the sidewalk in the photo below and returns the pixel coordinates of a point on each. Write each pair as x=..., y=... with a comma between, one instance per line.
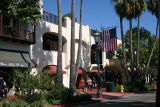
x=106, y=96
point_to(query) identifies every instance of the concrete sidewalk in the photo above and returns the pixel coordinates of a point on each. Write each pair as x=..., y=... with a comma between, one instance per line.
x=106, y=95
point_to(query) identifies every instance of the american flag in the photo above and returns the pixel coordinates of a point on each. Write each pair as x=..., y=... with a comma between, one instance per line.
x=109, y=40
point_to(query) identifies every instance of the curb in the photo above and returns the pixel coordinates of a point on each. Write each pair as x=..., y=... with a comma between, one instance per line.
x=125, y=94
x=76, y=104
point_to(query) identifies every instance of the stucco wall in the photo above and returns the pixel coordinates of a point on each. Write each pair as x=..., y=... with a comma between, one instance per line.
x=44, y=58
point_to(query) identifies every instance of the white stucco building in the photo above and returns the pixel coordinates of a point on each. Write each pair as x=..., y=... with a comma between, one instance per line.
x=44, y=51
x=40, y=48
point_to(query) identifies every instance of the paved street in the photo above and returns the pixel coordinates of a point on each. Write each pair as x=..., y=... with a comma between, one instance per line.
x=135, y=100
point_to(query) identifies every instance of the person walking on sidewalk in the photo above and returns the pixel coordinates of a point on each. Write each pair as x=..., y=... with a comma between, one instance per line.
x=94, y=83
x=3, y=88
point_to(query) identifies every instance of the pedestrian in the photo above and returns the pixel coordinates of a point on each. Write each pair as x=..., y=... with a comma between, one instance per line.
x=89, y=84
x=94, y=82
x=80, y=83
x=3, y=88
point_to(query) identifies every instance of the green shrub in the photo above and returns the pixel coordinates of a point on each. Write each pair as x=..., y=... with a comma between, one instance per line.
x=127, y=88
x=118, y=88
x=149, y=86
x=140, y=85
x=59, y=94
x=14, y=103
x=26, y=84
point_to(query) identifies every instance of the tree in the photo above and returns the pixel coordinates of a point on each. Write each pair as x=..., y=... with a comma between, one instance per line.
x=26, y=10
x=146, y=42
x=116, y=71
x=158, y=78
x=140, y=6
x=130, y=13
x=120, y=8
x=79, y=45
x=70, y=16
x=72, y=57
x=152, y=7
x=59, y=59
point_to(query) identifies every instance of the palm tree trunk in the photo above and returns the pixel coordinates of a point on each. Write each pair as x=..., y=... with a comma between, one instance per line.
x=72, y=51
x=59, y=59
x=123, y=49
x=158, y=78
x=137, y=65
x=80, y=44
x=131, y=47
x=151, y=54
x=131, y=54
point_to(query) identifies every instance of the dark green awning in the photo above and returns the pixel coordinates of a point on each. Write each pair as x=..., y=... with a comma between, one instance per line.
x=15, y=59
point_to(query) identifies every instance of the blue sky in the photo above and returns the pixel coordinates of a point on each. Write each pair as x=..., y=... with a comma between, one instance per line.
x=99, y=13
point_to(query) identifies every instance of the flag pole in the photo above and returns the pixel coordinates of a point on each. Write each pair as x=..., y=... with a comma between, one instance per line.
x=103, y=54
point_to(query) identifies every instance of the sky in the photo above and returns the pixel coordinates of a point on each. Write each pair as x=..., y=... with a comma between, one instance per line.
x=100, y=14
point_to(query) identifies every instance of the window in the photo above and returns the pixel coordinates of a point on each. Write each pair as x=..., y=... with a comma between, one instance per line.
x=10, y=26
x=50, y=42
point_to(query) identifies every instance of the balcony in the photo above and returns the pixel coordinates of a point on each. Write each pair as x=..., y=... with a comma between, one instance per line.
x=52, y=18
x=15, y=33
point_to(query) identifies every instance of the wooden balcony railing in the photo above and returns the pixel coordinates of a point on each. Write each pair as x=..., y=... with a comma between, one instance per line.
x=15, y=33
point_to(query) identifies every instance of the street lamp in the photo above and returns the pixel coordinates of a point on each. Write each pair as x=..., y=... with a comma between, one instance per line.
x=97, y=40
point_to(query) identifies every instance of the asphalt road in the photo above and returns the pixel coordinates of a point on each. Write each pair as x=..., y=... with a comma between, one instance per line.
x=135, y=100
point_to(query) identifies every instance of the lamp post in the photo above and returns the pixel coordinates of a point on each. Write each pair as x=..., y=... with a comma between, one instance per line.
x=97, y=40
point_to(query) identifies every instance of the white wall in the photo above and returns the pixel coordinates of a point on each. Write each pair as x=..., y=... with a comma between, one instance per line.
x=44, y=58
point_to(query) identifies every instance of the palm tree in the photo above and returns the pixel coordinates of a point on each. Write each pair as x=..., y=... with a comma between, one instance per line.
x=130, y=12
x=59, y=59
x=120, y=8
x=140, y=6
x=72, y=57
x=158, y=79
x=152, y=7
x=80, y=44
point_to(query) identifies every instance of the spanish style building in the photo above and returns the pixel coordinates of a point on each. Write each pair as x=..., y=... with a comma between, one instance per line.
x=23, y=45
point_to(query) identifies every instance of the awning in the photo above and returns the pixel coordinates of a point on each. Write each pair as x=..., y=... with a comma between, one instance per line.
x=28, y=59
x=80, y=71
x=14, y=59
x=96, y=71
x=52, y=70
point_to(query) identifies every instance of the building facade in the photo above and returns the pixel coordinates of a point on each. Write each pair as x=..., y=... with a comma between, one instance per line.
x=44, y=51
x=23, y=45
